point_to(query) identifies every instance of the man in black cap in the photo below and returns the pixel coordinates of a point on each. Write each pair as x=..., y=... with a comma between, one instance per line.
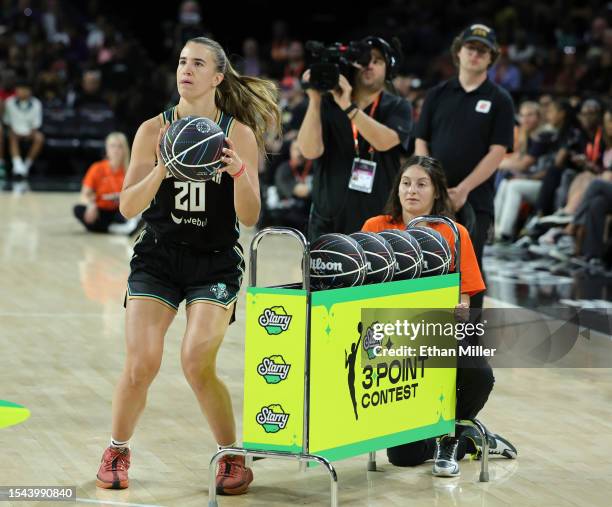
x=355, y=135
x=467, y=123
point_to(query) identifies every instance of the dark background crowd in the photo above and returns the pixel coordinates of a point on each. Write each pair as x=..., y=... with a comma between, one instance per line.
x=98, y=67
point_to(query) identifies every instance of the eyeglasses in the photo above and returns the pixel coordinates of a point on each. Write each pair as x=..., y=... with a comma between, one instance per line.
x=481, y=50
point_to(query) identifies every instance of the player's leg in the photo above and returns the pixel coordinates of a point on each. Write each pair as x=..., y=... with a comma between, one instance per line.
x=146, y=324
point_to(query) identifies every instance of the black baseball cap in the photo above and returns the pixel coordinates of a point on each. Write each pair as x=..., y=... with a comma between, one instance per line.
x=480, y=33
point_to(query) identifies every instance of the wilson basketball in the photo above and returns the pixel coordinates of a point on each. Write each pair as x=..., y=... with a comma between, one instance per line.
x=192, y=148
x=336, y=260
x=407, y=253
x=436, y=252
x=380, y=259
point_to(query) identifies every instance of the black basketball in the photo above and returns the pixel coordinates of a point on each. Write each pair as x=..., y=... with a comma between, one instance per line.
x=336, y=260
x=192, y=148
x=436, y=253
x=380, y=259
x=407, y=253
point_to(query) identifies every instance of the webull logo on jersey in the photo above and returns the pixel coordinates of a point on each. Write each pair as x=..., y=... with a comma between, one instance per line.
x=370, y=342
x=273, y=369
x=272, y=418
x=188, y=220
x=319, y=266
x=275, y=320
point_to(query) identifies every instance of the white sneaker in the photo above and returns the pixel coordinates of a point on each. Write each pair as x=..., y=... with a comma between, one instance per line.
x=445, y=464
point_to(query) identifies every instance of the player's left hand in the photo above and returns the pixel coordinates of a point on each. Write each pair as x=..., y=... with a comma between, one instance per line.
x=342, y=94
x=458, y=195
x=233, y=163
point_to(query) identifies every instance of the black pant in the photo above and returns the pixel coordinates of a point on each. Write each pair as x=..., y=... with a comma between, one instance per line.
x=550, y=183
x=595, y=205
x=105, y=218
x=474, y=384
x=478, y=227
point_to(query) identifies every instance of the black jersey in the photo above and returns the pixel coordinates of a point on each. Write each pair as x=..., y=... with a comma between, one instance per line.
x=200, y=215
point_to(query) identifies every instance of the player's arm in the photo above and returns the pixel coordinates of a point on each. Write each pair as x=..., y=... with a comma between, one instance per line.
x=243, y=150
x=146, y=171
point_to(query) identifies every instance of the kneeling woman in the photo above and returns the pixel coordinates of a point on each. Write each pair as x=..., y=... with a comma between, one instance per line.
x=420, y=189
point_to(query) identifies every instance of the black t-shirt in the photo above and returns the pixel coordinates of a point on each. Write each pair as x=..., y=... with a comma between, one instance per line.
x=460, y=127
x=332, y=199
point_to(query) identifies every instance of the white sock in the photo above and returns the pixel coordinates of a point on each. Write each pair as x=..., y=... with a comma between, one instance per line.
x=221, y=447
x=27, y=163
x=18, y=167
x=119, y=443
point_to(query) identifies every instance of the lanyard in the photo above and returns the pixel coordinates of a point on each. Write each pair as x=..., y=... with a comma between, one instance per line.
x=356, y=134
x=306, y=169
x=592, y=149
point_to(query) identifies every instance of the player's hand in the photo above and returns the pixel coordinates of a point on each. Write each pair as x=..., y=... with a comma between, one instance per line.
x=301, y=190
x=342, y=93
x=91, y=214
x=457, y=195
x=160, y=136
x=462, y=312
x=233, y=163
x=311, y=92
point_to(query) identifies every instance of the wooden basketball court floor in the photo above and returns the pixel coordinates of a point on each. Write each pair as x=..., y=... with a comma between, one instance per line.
x=61, y=350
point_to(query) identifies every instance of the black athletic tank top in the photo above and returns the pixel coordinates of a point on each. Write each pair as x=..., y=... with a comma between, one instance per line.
x=200, y=215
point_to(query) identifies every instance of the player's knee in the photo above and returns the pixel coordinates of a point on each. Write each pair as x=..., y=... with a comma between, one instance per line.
x=198, y=362
x=141, y=371
x=38, y=137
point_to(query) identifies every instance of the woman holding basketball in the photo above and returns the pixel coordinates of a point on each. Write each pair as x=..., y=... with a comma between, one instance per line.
x=189, y=250
x=420, y=189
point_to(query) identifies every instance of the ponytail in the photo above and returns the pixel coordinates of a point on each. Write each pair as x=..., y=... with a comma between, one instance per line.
x=252, y=101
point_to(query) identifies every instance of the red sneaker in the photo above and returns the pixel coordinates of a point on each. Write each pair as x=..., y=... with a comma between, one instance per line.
x=233, y=478
x=113, y=471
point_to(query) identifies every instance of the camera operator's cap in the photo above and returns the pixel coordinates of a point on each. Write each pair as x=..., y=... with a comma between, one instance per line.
x=480, y=33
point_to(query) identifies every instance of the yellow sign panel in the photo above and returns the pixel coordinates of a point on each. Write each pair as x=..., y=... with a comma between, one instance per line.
x=275, y=349
x=359, y=405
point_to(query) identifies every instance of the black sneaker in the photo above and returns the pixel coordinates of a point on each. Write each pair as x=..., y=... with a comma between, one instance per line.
x=498, y=446
x=445, y=464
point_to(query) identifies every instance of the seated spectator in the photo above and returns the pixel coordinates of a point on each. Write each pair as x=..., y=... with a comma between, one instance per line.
x=99, y=211
x=295, y=60
x=90, y=94
x=524, y=176
x=568, y=140
x=294, y=183
x=505, y=73
x=23, y=117
x=251, y=64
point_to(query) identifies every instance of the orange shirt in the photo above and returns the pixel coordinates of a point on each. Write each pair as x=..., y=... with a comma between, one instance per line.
x=106, y=183
x=471, y=278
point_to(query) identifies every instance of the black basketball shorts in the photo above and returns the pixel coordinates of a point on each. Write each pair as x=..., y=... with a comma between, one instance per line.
x=172, y=273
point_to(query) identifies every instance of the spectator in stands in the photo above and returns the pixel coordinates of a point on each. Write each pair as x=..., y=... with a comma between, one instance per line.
x=90, y=95
x=568, y=141
x=295, y=60
x=505, y=73
x=524, y=181
x=251, y=64
x=293, y=107
x=99, y=208
x=279, y=48
x=293, y=181
x=23, y=117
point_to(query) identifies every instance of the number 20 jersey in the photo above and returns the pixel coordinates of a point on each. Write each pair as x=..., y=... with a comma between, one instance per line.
x=196, y=214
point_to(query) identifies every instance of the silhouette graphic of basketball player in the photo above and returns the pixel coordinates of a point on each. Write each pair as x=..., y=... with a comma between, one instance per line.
x=349, y=362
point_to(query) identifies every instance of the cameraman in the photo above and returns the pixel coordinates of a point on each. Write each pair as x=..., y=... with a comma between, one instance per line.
x=356, y=134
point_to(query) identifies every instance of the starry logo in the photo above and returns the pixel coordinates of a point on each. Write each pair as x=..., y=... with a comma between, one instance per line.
x=370, y=342
x=202, y=127
x=273, y=369
x=220, y=291
x=275, y=320
x=272, y=418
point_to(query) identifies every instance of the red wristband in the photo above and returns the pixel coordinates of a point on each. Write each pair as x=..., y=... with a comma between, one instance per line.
x=239, y=173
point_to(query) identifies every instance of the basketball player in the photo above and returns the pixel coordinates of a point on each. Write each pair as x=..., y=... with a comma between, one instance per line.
x=420, y=189
x=189, y=250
